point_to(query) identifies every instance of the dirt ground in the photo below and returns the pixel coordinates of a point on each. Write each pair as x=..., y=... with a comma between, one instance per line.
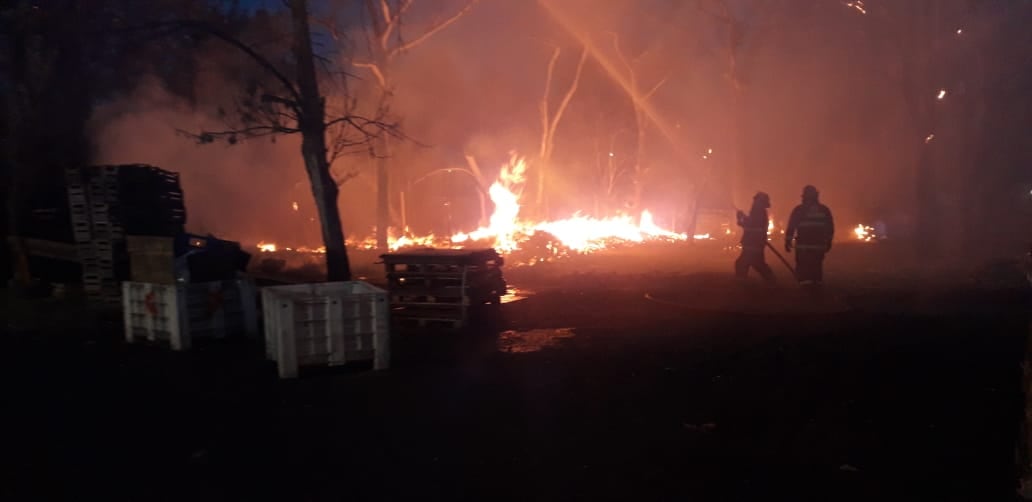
x=640, y=375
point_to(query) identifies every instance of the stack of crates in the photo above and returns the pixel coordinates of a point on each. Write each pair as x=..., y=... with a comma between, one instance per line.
x=106, y=203
x=95, y=231
x=155, y=198
x=441, y=286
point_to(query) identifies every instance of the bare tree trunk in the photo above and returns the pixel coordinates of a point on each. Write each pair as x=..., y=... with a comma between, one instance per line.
x=383, y=215
x=386, y=18
x=482, y=188
x=550, y=123
x=736, y=183
x=325, y=192
x=639, y=164
x=313, y=148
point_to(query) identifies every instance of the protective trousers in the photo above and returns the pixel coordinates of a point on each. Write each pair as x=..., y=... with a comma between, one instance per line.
x=753, y=257
x=809, y=265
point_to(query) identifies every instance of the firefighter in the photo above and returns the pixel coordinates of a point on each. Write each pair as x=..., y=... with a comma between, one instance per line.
x=812, y=228
x=754, y=239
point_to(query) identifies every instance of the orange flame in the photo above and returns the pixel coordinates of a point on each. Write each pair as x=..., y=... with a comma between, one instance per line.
x=579, y=233
x=506, y=231
x=864, y=233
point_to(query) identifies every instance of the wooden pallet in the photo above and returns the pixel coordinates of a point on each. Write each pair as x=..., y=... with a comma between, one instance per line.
x=430, y=287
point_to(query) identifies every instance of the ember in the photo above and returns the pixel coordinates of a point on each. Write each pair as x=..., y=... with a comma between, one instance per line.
x=864, y=233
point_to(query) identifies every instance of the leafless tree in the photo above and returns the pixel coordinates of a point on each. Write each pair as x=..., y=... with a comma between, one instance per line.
x=550, y=120
x=609, y=170
x=385, y=43
x=472, y=171
x=297, y=106
x=641, y=119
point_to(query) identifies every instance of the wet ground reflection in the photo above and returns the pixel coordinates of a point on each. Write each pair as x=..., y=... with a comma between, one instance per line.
x=532, y=340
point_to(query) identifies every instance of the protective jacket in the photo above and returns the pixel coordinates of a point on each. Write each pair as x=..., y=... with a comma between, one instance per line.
x=754, y=228
x=812, y=225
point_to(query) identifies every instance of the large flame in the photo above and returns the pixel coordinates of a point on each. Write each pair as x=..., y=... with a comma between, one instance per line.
x=506, y=231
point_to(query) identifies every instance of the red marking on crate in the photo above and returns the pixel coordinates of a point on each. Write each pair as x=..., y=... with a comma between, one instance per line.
x=150, y=304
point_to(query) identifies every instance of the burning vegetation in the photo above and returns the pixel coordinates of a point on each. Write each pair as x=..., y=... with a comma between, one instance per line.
x=639, y=122
x=509, y=232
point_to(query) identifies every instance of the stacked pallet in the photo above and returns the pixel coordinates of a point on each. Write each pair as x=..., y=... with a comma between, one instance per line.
x=428, y=286
x=155, y=201
x=108, y=202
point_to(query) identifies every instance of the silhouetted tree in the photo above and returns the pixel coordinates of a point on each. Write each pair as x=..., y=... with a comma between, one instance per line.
x=385, y=43
x=638, y=95
x=295, y=105
x=550, y=120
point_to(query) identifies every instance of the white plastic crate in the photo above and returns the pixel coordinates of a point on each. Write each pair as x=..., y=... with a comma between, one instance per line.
x=326, y=324
x=179, y=313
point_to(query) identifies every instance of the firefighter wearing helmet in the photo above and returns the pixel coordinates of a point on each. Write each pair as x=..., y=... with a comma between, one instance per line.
x=810, y=229
x=754, y=239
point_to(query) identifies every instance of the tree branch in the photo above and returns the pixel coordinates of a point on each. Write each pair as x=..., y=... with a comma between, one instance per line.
x=475, y=168
x=570, y=92
x=373, y=67
x=288, y=85
x=344, y=178
x=393, y=21
x=444, y=170
x=385, y=11
x=655, y=88
x=623, y=57
x=269, y=98
x=433, y=30
x=545, y=119
x=375, y=17
x=232, y=135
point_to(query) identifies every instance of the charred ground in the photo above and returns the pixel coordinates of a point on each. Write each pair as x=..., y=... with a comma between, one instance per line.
x=904, y=390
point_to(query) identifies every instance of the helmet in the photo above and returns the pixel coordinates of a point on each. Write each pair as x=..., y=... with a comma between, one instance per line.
x=809, y=192
x=762, y=199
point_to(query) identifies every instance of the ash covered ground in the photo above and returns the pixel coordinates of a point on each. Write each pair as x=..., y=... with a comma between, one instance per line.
x=641, y=374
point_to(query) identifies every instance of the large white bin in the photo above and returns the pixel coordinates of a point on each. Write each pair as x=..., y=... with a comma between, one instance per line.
x=178, y=313
x=326, y=324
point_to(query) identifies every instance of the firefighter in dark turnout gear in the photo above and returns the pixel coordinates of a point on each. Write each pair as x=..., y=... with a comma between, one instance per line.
x=754, y=239
x=812, y=228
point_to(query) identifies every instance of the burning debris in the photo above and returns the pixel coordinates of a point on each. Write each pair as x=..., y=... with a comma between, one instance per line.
x=858, y=5
x=865, y=233
x=508, y=232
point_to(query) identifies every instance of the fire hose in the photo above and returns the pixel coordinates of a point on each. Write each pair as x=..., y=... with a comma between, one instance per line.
x=782, y=258
x=776, y=253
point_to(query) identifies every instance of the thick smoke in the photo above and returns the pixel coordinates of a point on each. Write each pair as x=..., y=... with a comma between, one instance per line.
x=816, y=104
